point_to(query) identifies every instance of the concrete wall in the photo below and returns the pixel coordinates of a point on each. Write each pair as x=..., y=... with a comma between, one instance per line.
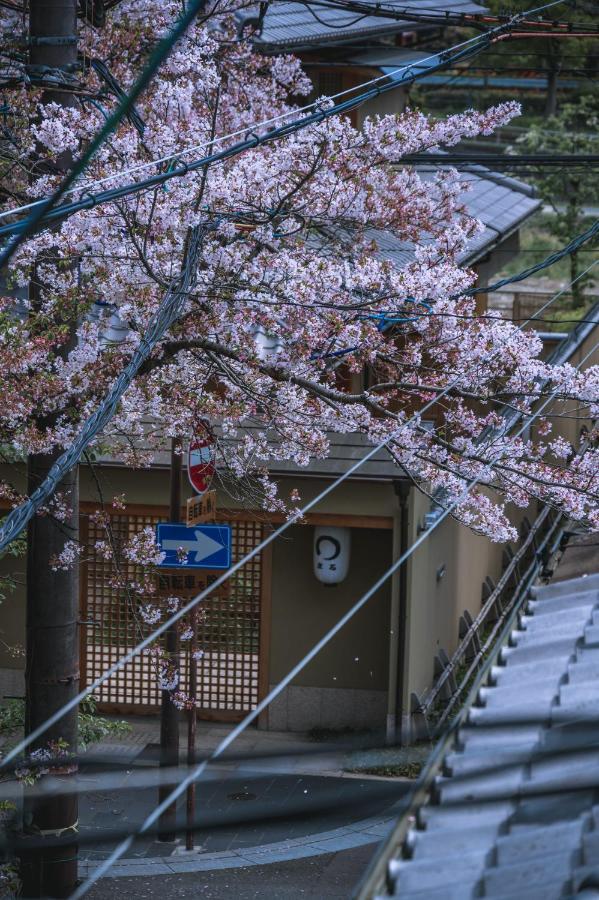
x=346, y=684
x=445, y=578
x=392, y=103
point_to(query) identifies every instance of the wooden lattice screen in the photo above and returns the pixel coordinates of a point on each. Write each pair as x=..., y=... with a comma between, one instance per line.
x=228, y=632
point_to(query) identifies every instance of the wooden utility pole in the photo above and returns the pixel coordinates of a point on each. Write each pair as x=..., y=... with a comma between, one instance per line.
x=169, y=714
x=52, y=664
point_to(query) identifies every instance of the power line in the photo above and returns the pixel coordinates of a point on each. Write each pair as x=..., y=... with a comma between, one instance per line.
x=293, y=519
x=496, y=160
x=192, y=777
x=44, y=216
x=387, y=320
x=438, y=17
x=167, y=314
x=125, y=107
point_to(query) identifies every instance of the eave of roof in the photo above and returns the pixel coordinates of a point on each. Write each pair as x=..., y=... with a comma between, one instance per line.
x=291, y=26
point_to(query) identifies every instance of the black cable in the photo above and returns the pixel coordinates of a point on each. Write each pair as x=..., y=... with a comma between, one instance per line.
x=30, y=224
x=46, y=216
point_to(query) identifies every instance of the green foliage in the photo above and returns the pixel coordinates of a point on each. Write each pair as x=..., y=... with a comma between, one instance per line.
x=568, y=191
x=92, y=727
x=12, y=717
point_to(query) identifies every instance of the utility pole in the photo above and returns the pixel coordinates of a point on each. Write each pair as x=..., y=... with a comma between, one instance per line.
x=169, y=714
x=52, y=655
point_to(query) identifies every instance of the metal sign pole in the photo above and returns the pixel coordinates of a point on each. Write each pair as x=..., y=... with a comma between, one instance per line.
x=191, y=733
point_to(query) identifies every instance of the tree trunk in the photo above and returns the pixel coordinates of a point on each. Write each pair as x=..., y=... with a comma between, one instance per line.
x=51, y=680
x=52, y=658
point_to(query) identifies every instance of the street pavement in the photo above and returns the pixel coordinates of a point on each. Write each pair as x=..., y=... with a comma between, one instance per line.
x=331, y=876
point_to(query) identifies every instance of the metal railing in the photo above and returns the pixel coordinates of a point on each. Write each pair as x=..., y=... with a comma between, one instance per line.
x=493, y=610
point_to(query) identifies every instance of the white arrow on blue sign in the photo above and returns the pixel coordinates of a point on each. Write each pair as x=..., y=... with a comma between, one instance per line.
x=206, y=546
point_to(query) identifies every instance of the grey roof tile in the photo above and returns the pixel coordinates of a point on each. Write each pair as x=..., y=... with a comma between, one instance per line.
x=291, y=25
x=538, y=841
x=471, y=762
x=546, y=890
x=590, y=849
x=511, y=735
x=523, y=779
x=504, y=676
x=554, y=868
x=426, y=844
x=571, y=586
x=464, y=868
x=475, y=815
x=540, y=690
x=518, y=656
x=494, y=784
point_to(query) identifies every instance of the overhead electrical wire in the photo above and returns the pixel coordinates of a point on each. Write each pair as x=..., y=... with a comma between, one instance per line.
x=297, y=516
x=496, y=160
x=167, y=314
x=193, y=776
x=44, y=213
x=442, y=18
x=389, y=319
x=9, y=530
x=125, y=107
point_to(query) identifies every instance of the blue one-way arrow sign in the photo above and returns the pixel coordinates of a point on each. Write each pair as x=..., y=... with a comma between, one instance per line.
x=207, y=546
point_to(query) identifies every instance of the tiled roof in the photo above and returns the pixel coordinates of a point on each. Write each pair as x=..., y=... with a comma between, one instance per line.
x=501, y=203
x=515, y=816
x=345, y=450
x=292, y=26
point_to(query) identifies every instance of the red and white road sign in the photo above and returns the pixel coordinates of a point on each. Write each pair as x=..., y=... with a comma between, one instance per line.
x=200, y=462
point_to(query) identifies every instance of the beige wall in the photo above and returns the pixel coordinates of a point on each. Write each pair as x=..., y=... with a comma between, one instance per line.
x=436, y=604
x=303, y=610
x=391, y=103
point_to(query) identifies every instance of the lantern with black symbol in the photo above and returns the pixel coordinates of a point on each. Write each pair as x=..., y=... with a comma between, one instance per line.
x=331, y=553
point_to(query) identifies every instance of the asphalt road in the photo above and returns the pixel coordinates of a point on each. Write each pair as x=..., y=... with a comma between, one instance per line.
x=332, y=876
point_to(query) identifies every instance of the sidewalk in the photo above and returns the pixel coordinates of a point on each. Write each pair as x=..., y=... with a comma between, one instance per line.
x=281, y=797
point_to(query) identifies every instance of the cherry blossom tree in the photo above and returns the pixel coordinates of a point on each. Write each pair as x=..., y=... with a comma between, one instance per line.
x=287, y=286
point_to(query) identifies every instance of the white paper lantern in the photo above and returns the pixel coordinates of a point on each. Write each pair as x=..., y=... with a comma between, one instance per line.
x=331, y=553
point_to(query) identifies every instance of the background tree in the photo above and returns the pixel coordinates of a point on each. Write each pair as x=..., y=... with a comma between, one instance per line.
x=569, y=191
